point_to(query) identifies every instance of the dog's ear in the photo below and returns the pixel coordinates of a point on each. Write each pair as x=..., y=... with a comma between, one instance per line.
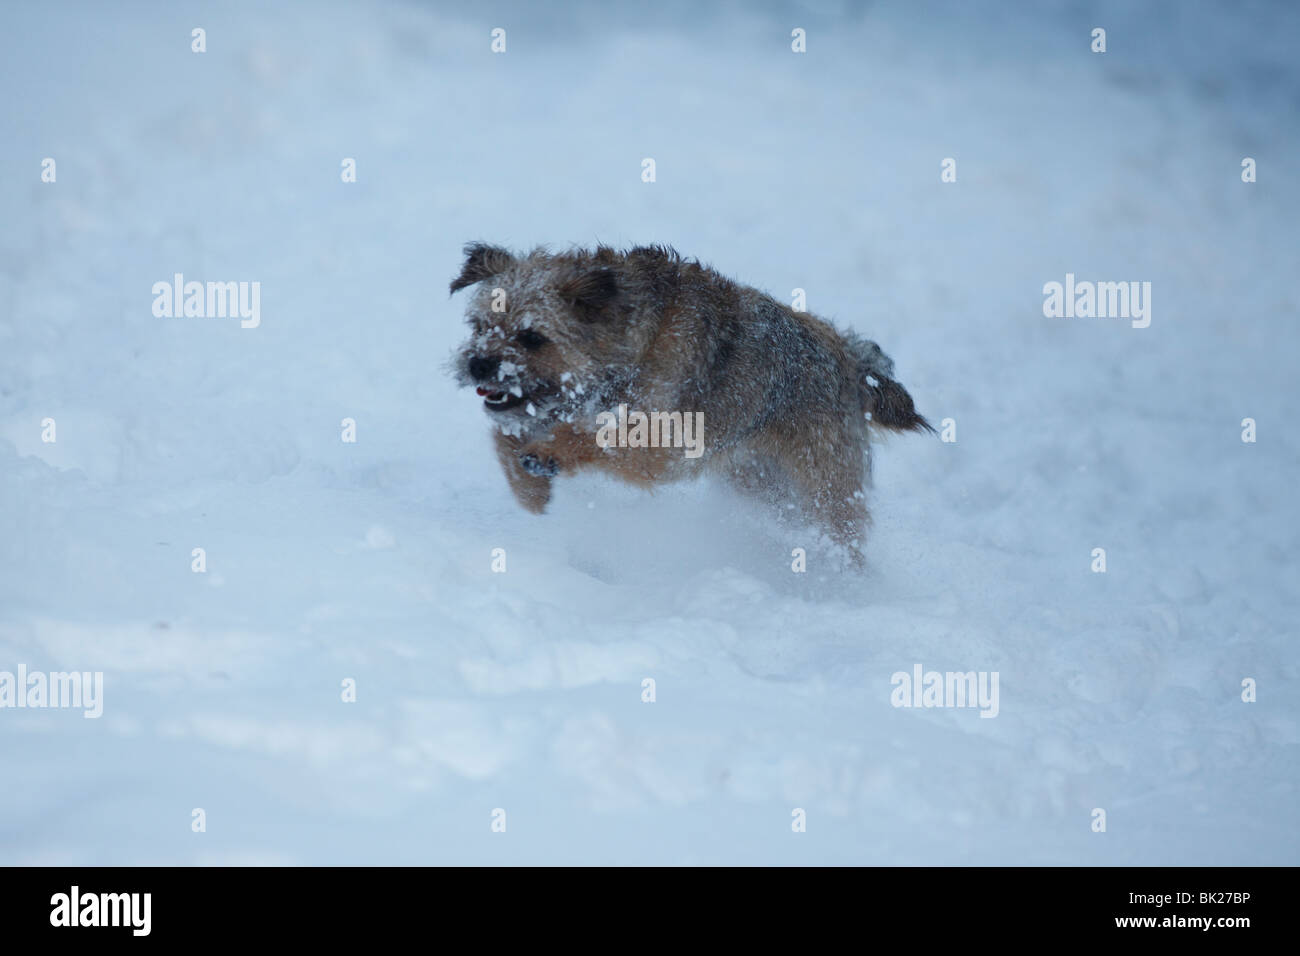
x=481, y=261
x=590, y=292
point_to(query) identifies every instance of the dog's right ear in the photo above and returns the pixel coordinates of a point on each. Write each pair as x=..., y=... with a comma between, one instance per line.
x=481, y=261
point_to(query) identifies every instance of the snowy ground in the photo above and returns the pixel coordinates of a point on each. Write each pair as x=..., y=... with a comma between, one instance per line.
x=522, y=690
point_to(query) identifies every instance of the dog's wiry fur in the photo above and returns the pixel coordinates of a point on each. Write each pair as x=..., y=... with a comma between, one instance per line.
x=787, y=399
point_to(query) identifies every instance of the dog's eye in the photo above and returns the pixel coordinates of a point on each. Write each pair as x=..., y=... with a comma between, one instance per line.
x=530, y=339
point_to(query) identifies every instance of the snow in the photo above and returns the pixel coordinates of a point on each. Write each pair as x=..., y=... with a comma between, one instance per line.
x=372, y=560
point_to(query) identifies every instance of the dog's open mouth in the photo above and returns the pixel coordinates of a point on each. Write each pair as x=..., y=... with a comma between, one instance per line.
x=500, y=401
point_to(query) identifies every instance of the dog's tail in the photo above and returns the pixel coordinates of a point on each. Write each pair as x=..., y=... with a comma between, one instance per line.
x=888, y=402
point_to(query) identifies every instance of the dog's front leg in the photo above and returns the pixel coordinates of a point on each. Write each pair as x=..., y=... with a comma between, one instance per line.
x=562, y=450
x=532, y=488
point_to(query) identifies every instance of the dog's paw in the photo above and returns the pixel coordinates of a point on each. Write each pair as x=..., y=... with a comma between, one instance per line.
x=538, y=466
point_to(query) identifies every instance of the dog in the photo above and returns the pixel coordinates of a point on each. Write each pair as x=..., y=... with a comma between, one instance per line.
x=563, y=344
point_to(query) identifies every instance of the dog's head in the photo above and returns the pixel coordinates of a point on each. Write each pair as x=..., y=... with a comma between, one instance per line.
x=546, y=332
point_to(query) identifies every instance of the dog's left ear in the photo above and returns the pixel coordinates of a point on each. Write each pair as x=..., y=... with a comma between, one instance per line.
x=481, y=262
x=590, y=292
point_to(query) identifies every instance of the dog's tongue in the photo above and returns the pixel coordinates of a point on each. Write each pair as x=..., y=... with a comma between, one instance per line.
x=490, y=393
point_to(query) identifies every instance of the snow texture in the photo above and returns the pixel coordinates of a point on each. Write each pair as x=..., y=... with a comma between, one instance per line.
x=372, y=561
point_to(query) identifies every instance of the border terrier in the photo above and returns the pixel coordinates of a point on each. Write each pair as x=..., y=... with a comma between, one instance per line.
x=560, y=341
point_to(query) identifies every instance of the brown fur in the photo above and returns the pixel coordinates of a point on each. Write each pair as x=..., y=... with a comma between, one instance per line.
x=787, y=399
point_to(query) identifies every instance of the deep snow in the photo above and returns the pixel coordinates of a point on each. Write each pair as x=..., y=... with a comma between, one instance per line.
x=522, y=690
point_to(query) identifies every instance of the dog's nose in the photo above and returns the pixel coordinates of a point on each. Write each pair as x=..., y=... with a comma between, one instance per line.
x=481, y=368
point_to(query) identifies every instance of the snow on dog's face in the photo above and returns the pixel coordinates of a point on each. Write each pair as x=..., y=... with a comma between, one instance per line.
x=539, y=333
